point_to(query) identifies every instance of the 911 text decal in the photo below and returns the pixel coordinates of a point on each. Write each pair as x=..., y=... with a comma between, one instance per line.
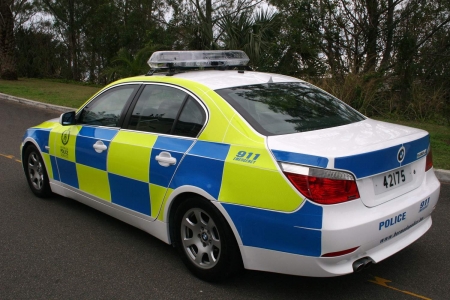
x=249, y=157
x=424, y=204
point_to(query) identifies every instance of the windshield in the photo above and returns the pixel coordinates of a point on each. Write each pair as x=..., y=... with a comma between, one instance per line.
x=282, y=108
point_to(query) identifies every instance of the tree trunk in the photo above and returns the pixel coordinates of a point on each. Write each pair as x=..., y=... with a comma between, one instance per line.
x=73, y=41
x=372, y=35
x=209, y=25
x=8, y=69
x=390, y=34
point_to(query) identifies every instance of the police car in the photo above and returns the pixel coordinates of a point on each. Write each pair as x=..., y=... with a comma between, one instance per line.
x=240, y=169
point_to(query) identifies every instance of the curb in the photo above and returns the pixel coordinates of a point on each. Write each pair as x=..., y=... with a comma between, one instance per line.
x=442, y=175
x=35, y=103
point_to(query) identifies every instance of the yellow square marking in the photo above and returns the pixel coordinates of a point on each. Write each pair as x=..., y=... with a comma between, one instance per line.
x=162, y=212
x=62, y=142
x=156, y=198
x=48, y=165
x=256, y=182
x=129, y=155
x=94, y=182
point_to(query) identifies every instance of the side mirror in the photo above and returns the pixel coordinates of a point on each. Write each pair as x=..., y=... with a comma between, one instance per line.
x=67, y=118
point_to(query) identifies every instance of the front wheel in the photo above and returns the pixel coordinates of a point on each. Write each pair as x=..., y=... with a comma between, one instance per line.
x=36, y=173
x=205, y=241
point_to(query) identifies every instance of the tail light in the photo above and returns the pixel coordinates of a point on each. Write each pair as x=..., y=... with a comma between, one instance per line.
x=429, y=161
x=321, y=185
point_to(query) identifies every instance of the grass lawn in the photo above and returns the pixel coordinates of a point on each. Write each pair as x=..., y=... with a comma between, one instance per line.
x=74, y=95
x=49, y=91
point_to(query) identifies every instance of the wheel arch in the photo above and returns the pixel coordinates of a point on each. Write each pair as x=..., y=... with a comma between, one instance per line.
x=183, y=193
x=27, y=143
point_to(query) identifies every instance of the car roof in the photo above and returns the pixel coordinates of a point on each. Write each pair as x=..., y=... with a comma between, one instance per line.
x=216, y=80
x=212, y=79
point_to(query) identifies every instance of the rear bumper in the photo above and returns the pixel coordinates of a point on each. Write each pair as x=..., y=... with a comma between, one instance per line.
x=379, y=232
x=287, y=263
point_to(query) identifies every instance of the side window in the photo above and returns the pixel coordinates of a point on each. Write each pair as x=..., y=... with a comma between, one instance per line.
x=156, y=109
x=106, y=109
x=191, y=119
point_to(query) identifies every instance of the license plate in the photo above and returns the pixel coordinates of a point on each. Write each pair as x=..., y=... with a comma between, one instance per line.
x=391, y=180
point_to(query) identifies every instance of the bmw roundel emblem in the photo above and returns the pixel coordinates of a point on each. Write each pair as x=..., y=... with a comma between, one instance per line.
x=401, y=154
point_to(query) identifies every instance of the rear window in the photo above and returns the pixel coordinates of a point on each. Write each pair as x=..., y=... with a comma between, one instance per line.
x=289, y=107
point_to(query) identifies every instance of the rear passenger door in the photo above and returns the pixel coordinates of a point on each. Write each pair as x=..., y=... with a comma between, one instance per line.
x=160, y=127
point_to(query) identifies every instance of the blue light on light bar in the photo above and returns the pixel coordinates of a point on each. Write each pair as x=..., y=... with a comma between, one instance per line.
x=197, y=59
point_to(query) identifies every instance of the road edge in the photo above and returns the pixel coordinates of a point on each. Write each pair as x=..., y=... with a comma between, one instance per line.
x=35, y=103
x=442, y=175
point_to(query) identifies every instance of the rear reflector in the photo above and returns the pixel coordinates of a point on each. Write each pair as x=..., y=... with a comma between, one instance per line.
x=320, y=185
x=339, y=253
x=429, y=162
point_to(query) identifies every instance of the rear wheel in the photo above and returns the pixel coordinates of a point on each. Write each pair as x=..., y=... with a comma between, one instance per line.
x=36, y=173
x=205, y=241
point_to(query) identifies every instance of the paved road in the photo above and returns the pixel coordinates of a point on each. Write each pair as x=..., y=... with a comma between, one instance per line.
x=61, y=249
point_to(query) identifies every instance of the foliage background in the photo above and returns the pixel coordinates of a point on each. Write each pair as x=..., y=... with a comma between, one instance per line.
x=386, y=58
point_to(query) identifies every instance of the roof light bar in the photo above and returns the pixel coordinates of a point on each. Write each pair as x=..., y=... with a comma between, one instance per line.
x=197, y=59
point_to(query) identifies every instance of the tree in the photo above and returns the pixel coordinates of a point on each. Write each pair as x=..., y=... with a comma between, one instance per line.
x=70, y=16
x=7, y=44
x=253, y=33
x=198, y=21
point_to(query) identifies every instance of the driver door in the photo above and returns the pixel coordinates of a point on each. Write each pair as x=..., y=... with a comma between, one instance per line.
x=80, y=150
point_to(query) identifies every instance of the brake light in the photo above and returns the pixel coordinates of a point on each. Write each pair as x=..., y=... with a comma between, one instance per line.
x=321, y=185
x=429, y=161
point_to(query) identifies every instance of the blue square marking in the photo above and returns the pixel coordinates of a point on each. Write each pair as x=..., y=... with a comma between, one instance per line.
x=209, y=149
x=98, y=133
x=204, y=173
x=130, y=193
x=54, y=168
x=68, y=172
x=172, y=144
x=85, y=153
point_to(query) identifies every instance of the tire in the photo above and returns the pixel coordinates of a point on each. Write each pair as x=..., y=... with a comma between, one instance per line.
x=36, y=173
x=205, y=241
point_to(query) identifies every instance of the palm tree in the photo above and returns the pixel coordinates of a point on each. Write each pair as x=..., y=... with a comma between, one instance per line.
x=251, y=33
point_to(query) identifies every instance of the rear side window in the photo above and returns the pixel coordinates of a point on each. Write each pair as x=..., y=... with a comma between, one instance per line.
x=283, y=108
x=191, y=119
x=157, y=109
x=167, y=110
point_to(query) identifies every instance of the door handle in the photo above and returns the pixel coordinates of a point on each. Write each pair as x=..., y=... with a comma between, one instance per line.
x=99, y=147
x=165, y=159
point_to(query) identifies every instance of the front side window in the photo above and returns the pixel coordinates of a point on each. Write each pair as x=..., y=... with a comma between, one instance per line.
x=106, y=109
x=289, y=107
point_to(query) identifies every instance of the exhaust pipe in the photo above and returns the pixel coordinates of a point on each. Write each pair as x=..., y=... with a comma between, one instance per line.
x=362, y=263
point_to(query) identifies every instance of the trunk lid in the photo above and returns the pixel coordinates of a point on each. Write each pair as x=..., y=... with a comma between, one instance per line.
x=387, y=160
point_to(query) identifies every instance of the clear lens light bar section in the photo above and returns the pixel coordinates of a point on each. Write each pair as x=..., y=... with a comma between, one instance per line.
x=197, y=59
